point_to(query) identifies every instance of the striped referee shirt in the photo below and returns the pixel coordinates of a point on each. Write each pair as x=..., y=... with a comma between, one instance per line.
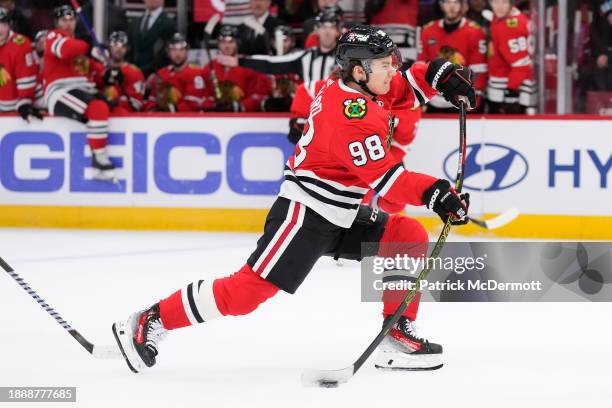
x=311, y=64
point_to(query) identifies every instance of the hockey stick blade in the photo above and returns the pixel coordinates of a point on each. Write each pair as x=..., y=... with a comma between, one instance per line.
x=327, y=378
x=497, y=222
x=98, y=351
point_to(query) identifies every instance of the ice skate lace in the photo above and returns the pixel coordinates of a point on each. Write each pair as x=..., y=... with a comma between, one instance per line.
x=411, y=329
x=155, y=333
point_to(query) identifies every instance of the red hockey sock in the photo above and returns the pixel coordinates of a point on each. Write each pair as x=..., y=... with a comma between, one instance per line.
x=97, y=125
x=237, y=294
x=403, y=235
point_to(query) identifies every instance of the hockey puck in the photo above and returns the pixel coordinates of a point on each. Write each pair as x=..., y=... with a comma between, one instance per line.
x=328, y=383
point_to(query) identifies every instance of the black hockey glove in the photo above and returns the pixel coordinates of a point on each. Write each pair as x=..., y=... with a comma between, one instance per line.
x=452, y=81
x=113, y=76
x=444, y=200
x=296, y=127
x=27, y=110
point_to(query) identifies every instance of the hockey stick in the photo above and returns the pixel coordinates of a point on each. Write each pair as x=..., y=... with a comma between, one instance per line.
x=98, y=351
x=331, y=378
x=497, y=222
x=208, y=29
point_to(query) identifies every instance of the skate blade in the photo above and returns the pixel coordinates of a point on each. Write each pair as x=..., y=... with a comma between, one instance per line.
x=408, y=368
x=408, y=362
x=117, y=334
x=106, y=175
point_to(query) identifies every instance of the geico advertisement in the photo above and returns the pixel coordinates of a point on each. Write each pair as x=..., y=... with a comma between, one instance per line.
x=539, y=166
x=182, y=162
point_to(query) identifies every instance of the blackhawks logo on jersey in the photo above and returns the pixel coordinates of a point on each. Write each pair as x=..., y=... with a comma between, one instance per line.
x=512, y=22
x=5, y=77
x=355, y=108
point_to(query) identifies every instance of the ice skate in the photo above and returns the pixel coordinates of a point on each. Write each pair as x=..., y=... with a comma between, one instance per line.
x=104, y=169
x=403, y=349
x=138, y=338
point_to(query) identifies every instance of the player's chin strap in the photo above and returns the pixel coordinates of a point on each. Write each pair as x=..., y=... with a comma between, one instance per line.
x=365, y=64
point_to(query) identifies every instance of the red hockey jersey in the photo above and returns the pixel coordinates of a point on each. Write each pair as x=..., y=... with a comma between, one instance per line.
x=345, y=150
x=173, y=90
x=406, y=117
x=510, y=65
x=17, y=73
x=128, y=96
x=66, y=64
x=238, y=84
x=466, y=45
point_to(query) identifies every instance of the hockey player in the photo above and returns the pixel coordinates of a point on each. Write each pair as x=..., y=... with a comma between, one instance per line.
x=178, y=87
x=459, y=40
x=242, y=89
x=511, y=88
x=69, y=90
x=123, y=83
x=17, y=71
x=342, y=154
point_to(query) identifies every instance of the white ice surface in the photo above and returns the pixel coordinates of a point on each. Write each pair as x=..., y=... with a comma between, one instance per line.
x=496, y=354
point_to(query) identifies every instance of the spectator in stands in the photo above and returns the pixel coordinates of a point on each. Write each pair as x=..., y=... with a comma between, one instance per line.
x=19, y=22
x=178, y=87
x=123, y=83
x=601, y=35
x=148, y=36
x=458, y=40
x=311, y=24
x=239, y=89
x=256, y=32
x=17, y=71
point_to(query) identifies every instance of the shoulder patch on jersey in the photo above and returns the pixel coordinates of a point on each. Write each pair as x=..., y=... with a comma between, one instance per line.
x=355, y=108
x=512, y=22
x=19, y=39
x=474, y=24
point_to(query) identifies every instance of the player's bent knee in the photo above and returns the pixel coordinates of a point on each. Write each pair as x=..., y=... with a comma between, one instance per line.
x=97, y=109
x=242, y=292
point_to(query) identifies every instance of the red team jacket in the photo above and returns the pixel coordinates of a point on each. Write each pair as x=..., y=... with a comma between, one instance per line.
x=344, y=151
x=510, y=66
x=466, y=45
x=128, y=96
x=239, y=84
x=67, y=65
x=180, y=90
x=17, y=73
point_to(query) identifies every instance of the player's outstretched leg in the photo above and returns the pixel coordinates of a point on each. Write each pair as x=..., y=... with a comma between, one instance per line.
x=238, y=294
x=404, y=348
